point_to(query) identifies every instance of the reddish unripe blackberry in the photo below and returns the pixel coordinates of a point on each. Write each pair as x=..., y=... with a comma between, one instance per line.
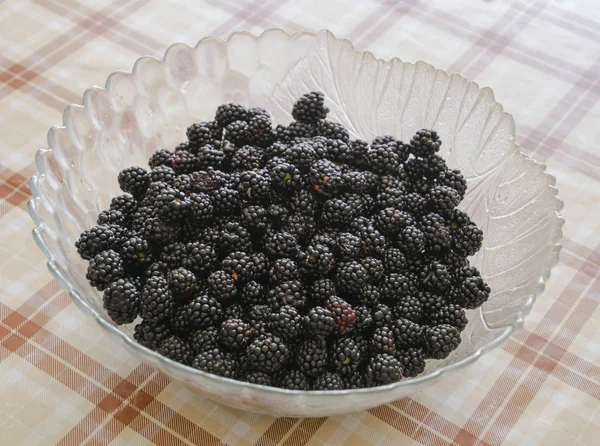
x=343, y=315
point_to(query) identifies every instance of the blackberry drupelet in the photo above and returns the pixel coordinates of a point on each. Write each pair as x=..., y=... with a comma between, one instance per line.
x=267, y=353
x=287, y=293
x=310, y=107
x=134, y=180
x=344, y=356
x=121, y=300
x=332, y=130
x=383, y=340
x=183, y=284
x=176, y=349
x=407, y=333
x=235, y=334
x=343, y=315
x=151, y=333
x=228, y=113
x=283, y=270
x=161, y=157
x=256, y=377
x=106, y=267
x=286, y=323
x=425, y=143
x=328, y=381
x=311, y=356
x=93, y=241
x=137, y=252
x=385, y=369
x=319, y=322
x=441, y=340
x=412, y=362
x=203, y=311
x=292, y=379
x=156, y=302
x=471, y=291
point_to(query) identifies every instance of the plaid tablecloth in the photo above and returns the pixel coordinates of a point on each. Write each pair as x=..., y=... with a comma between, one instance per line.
x=63, y=381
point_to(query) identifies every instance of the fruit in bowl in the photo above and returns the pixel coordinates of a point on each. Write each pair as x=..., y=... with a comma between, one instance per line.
x=216, y=276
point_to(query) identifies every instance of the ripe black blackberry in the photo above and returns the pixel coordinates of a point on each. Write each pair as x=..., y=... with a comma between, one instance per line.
x=411, y=239
x=382, y=315
x=237, y=133
x=431, y=303
x=292, y=379
x=208, y=180
x=301, y=155
x=256, y=377
x=321, y=290
x=283, y=270
x=259, y=318
x=441, y=340
x=286, y=323
x=348, y=246
x=408, y=307
x=358, y=150
x=392, y=197
x=351, y=276
x=179, y=322
x=355, y=182
x=235, y=334
x=304, y=202
x=161, y=157
x=151, y=333
x=239, y=266
x=394, y=260
x=383, y=159
x=407, y=333
x=337, y=213
x=435, y=277
x=278, y=214
x=374, y=268
x=337, y=150
x=94, y=240
x=156, y=269
x=260, y=131
x=137, y=252
x=201, y=209
x=397, y=285
x=374, y=242
x=173, y=254
x=111, y=218
x=450, y=314
x=412, y=361
x=343, y=315
x=121, y=300
x=255, y=217
x=454, y=263
x=325, y=178
x=437, y=234
x=134, y=180
x=226, y=201
x=285, y=177
x=182, y=182
x=261, y=265
x=310, y=107
x=294, y=131
x=332, y=130
x=311, y=356
x=203, y=311
x=424, y=171
x=202, y=133
x=185, y=162
x=209, y=156
x=156, y=302
x=267, y=353
x=125, y=204
x=228, y=113
x=216, y=362
x=425, y=143
x=233, y=237
x=280, y=244
x=385, y=369
x=328, y=381
x=319, y=322
x=233, y=310
x=253, y=293
x=203, y=339
x=244, y=158
x=104, y=268
x=163, y=174
x=172, y=205
x=287, y=293
x=364, y=319
x=390, y=221
x=199, y=258
x=383, y=340
x=467, y=238
x=443, y=200
x=369, y=295
x=415, y=204
x=301, y=226
x=254, y=185
x=183, y=284
x=344, y=356
x=176, y=349
x=454, y=179
x=470, y=291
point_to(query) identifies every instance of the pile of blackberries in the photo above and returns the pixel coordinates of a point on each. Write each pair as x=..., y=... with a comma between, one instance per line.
x=290, y=256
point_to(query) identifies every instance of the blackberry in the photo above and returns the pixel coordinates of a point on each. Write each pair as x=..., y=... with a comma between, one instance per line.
x=278, y=215
x=321, y=290
x=267, y=353
x=374, y=242
x=394, y=260
x=332, y=130
x=287, y=293
x=134, y=180
x=325, y=238
x=172, y=205
x=301, y=226
x=147, y=204
x=431, y=303
x=106, y=267
x=208, y=180
x=328, y=381
x=311, y=356
x=254, y=185
x=286, y=323
x=369, y=295
x=364, y=319
x=392, y=197
x=454, y=262
x=215, y=362
x=355, y=381
x=156, y=269
x=423, y=171
x=202, y=133
x=260, y=130
x=407, y=333
x=382, y=315
x=441, y=340
x=397, y=285
x=471, y=291
x=467, y=238
x=281, y=244
x=454, y=179
x=443, y=200
x=284, y=176
x=317, y=260
x=283, y=270
x=125, y=204
x=156, y=302
x=111, y=218
x=261, y=265
x=137, y=252
x=358, y=151
x=256, y=377
x=344, y=356
x=319, y=322
x=408, y=307
x=183, y=284
x=179, y=321
x=355, y=182
x=296, y=130
x=200, y=208
x=348, y=246
x=183, y=183
x=255, y=217
x=93, y=241
x=382, y=159
x=415, y=204
x=221, y=285
x=435, y=277
x=351, y=276
x=292, y=380
x=337, y=213
x=235, y=334
x=176, y=349
x=437, y=234
x=161, y=157
x=325, y=178
x=276, y=150
x=259, y=318
x=304, y=202
x=233, y=311
x=228, y=113
x=185, y=162
x=451, y=314
x=208, y=157
x=374, y=268
x=245, y=158
x=385, y=369
x=257, y=111
x=391, y=221
x=412, y=362
x=343, y=315
x=173, y=254
x=425, y=143
x=121, y=300
x=203, y=311
x=237, y=132
x=253, y=293
x=199, y=258
x=337, y=150
x=151, y=333
x=383, y=340
x=234, y=237
x=203, y=339
x=412, y=240
x=239, y=266
x=301, y=155
x=162, y=174
x=310, y=107
x=226, y=202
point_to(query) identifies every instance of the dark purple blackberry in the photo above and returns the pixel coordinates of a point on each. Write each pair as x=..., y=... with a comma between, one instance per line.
x=203, y=339
x=156, y=269
x=182, y=182
x=233, y=311
x=226, y=201
x=317, y=260
x=208, y=180
x=337, y=150
x=278, y=214
x=412, y=240
x=255, y=217
x=383, y=159
x=216, y=362
x=199, y=258
x=233, y=237
x=162, y=174
x=285, y=177
x=93, y=241
x=172, y=205
x=267, y=353
x=383, y=340
x=209, y=156
x=237, y=133
x=292, y=379
x=200, y=208
x=425, y=143
x=256, y=377
x=382, y=315
x=325, y=238
x=435, y=277
x=437, y=234
x=390, y=221
x=161, y=157
x=203, y=311
x=321, y=290
x=301, y=156
x=454, y=262
x=202, y=133
x=239, y=266
x=286, y=323
x=147, y=204
x=407, y=333
x=374, y=268
x=390, y=182
x=283, y=270
x=137, y=252
x=151, y=333
x=451, y=314
x=441, y=340
x=134, y=180
x=301, y=226
x=394, y=260
x=228, y=113
x=303, y=202
x=259, y=318
x=173, y=254
x=328, y=381
x=111, y=218
x=368, y=295
x=325, y=178
x=431, y=304
x=392, y=197
x=358, y=151
x=257, y=111
x=260, y=131
x=295, y=130
x=343, y=315
x=470, y=291
x=467, y=238
x=176, y=349
x=332, y=130
x=276, y=150
x=121, y=301
x=337, y=213
x=253, y=293
x=355, y=381
x=125, y=204
x=397, y=285
x=280, y=244
x=408, y=307
x=311, y=356
x=344, y=356
x=454, y=179
x=261, y=265
x=412, y=362
x=183, y=284
x=385, y=369
x=354, y=182
x=351, y=276
x=287, y=293
x=319, y=322
x=156, y=302
x=185, y=162
x=423, y=171
x=254, y=185
x=235, y=334
x=348, y=246
x=374, y=242
x=179, y=321
x=310, y=107
x=443, y=200
x=415, y=204
x=106, y=267
x=364, y=319
x=245, y=158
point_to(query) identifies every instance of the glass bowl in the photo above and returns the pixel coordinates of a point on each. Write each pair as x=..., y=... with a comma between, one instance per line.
x=510, y=196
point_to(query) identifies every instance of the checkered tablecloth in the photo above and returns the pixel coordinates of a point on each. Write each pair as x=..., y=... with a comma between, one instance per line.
x=63, y=381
